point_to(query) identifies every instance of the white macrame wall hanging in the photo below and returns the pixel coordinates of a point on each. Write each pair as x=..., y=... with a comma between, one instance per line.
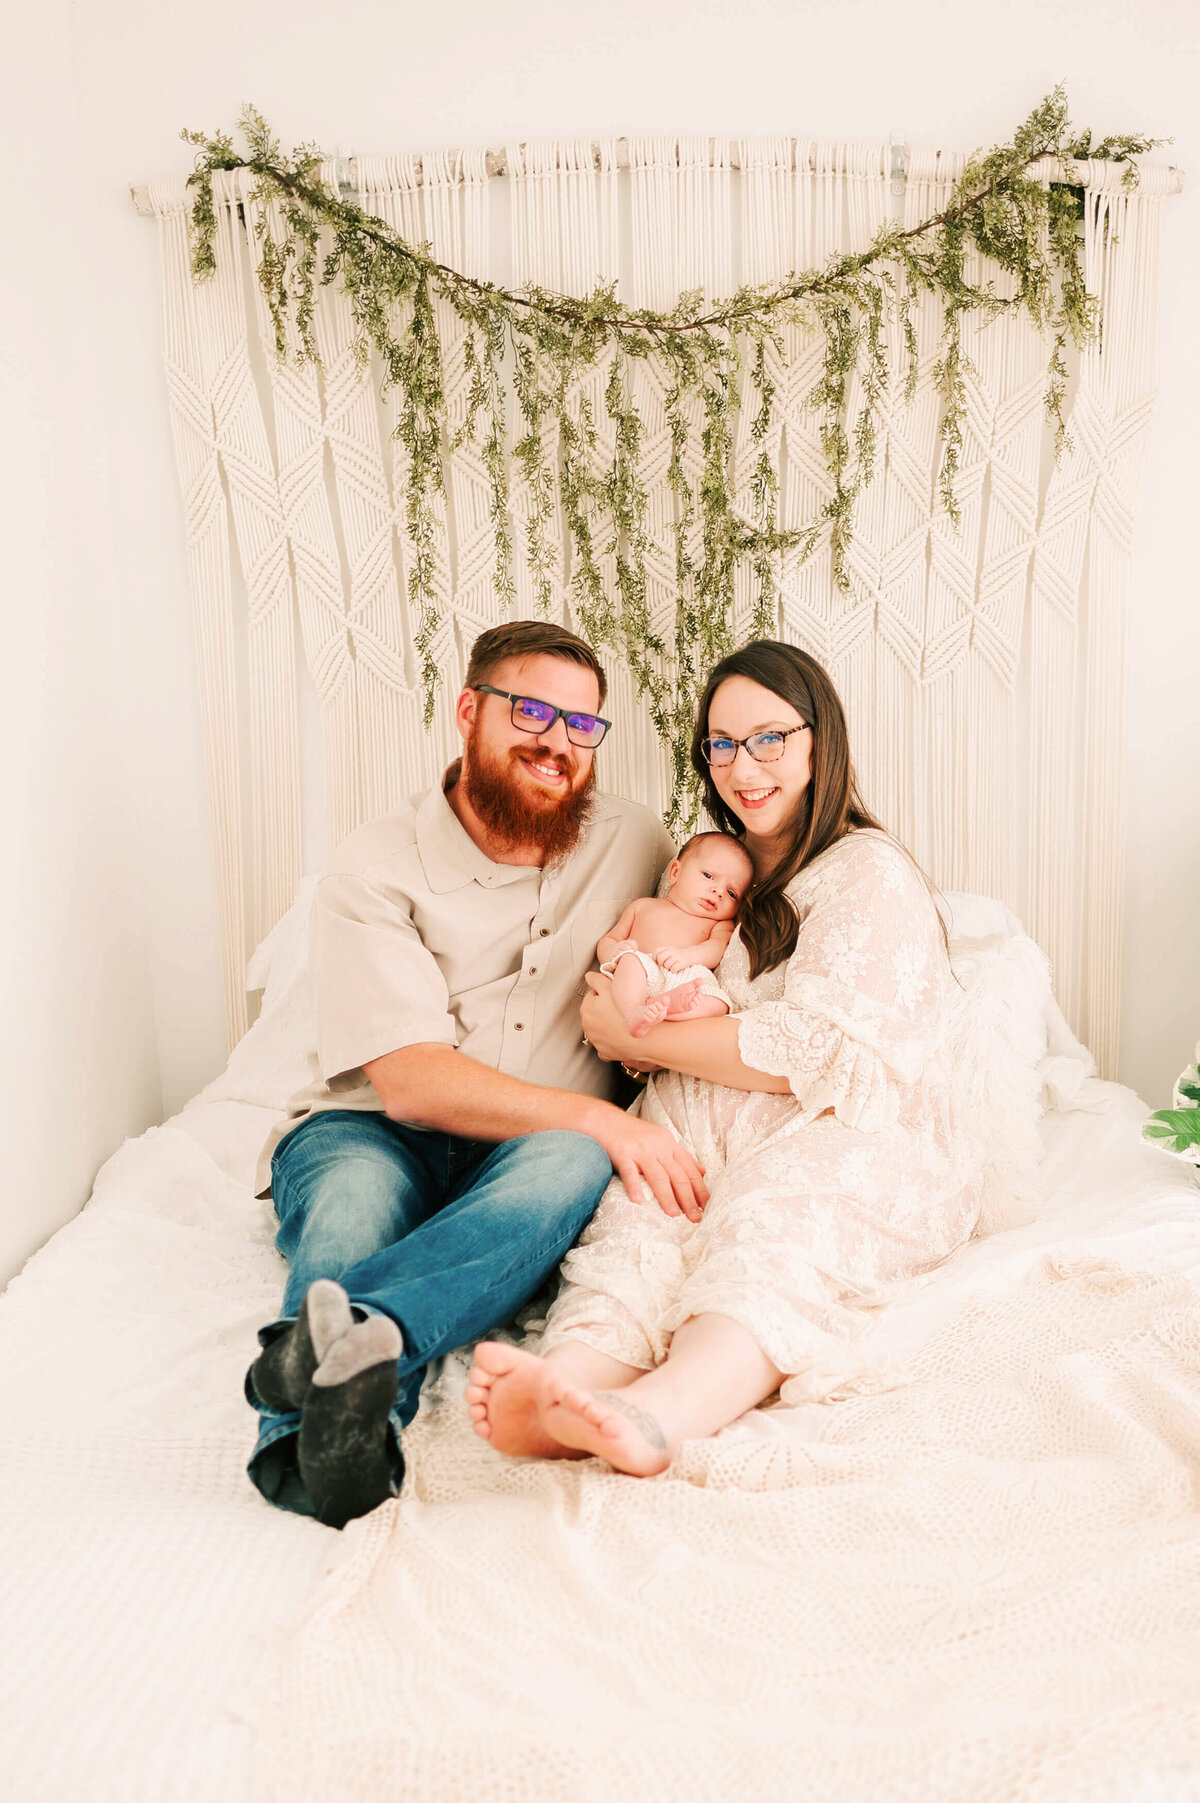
x=982, y=668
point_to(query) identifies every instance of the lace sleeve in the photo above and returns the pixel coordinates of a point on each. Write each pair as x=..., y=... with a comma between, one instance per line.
x=865, y=991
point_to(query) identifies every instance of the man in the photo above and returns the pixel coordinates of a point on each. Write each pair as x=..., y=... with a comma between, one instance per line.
x=458, y=1133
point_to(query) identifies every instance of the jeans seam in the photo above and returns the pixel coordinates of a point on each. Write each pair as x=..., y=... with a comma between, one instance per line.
x=533, y=1258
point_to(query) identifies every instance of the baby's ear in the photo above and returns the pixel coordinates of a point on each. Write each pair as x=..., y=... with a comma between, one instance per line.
x=672, y=872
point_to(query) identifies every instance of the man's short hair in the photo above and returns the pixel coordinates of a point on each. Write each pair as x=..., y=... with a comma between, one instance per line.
x=530, y=638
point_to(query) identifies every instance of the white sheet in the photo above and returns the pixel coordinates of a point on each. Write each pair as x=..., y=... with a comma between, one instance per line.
x=143, y=1576
x=982, y=1586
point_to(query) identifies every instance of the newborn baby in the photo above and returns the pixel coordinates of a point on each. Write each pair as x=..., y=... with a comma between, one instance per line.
x=662, y=952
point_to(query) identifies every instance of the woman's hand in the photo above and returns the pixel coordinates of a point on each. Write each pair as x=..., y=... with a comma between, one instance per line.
x=696, y=1048
x=604, y=1025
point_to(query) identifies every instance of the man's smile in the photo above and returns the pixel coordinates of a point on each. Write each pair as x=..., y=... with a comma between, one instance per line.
x=546, y=772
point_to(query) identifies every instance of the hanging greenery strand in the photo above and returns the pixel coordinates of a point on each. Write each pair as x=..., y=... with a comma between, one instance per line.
x=539, y=346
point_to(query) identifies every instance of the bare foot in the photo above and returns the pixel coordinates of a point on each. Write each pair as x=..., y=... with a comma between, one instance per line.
x=505, y=1392
x=660, y=1007
x=610, y=1427
x=527, y=1409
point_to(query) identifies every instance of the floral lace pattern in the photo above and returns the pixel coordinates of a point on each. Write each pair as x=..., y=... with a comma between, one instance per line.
x=825, y=1202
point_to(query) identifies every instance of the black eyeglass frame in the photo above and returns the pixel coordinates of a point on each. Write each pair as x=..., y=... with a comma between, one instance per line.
x=769, y=732
x=566, y=715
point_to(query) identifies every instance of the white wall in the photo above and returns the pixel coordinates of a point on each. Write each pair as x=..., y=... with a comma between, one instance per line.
x=396, y=76
x=78, y=1058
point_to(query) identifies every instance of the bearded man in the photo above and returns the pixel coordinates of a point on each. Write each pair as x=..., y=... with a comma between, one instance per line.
x=459, y=1131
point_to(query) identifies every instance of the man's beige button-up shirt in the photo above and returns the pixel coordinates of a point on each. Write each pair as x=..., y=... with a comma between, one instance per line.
x=418, y=937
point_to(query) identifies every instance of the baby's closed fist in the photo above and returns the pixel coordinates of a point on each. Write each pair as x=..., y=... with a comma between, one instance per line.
x=672, y=959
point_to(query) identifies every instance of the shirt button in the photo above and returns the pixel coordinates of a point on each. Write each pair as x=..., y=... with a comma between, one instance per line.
x=544, y=933
x=533, y=970
x=519, y=1025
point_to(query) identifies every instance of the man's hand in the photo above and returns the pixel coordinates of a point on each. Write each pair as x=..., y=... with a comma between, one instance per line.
x=433, y=1086
x=644, y=1153
x=673, y=959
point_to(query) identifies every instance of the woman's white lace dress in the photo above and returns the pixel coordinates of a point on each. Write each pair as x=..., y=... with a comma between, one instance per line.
x=822, y=1202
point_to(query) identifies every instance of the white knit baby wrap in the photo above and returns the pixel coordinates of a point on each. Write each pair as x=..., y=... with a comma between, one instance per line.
x=660, y=981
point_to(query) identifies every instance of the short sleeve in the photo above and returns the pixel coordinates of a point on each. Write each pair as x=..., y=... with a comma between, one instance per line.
x=865, y=991
x=375, y=987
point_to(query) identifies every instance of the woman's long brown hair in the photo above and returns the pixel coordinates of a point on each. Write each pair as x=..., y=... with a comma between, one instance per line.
x=830, y=807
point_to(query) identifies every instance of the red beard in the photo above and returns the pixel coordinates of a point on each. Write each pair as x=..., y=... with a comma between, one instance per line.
x=523, y=819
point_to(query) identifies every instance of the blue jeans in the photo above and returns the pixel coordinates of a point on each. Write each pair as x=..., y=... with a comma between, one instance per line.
x=447, y=1236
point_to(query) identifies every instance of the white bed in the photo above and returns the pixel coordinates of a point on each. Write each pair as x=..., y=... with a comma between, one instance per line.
x=145, y=1580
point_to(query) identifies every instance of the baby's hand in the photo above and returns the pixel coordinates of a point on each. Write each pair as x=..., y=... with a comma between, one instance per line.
x=619, y=947
x=672, y=959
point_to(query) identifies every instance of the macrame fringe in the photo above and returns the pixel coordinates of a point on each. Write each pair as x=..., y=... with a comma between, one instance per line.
x=982, y=668
x=1079, y=621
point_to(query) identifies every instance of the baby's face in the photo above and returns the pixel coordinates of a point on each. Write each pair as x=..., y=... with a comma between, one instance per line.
x=710, y=880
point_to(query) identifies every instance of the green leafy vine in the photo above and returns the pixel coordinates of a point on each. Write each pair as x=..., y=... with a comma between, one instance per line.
x=709, y=360
x=1177, y=1129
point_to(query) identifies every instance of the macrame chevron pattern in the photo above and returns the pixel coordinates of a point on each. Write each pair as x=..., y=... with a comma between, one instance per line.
x=981, y=666
x=244, y=613
x=1079, y=621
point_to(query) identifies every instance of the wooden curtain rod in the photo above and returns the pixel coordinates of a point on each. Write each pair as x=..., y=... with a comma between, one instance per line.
x=496, y=163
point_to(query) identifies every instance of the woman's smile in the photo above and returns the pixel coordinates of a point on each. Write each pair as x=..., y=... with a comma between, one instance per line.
x=756, y=798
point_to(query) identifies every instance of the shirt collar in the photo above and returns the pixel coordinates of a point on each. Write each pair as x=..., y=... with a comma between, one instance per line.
x=450, y=857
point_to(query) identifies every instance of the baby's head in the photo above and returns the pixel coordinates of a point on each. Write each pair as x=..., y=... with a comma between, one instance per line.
x=709, y=876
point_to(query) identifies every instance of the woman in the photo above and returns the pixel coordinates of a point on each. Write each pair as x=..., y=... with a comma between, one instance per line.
x=819, y=1110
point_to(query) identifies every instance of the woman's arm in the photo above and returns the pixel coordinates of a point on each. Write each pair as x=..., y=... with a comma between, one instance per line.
x=698, y=1048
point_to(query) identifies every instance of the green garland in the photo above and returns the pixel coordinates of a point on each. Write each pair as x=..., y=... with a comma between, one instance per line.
x=542, y=343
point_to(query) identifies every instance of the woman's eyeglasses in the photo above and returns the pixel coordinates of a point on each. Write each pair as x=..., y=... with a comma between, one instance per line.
x=765, y=746
x=538, y=716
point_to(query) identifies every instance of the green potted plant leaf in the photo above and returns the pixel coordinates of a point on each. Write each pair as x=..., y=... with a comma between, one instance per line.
x=1177, y=1129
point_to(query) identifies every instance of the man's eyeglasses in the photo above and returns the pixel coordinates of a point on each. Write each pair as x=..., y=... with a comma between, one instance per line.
x=765, y=746
x=538, y=716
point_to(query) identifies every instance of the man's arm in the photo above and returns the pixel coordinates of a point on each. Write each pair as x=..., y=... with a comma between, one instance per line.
x=431, y=1085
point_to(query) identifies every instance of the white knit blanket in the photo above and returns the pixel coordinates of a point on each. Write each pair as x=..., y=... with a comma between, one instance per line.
x=1015, y=1511
x=979, y=1583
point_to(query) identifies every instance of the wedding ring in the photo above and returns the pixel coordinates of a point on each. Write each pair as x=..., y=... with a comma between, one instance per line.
x=631, y=1070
